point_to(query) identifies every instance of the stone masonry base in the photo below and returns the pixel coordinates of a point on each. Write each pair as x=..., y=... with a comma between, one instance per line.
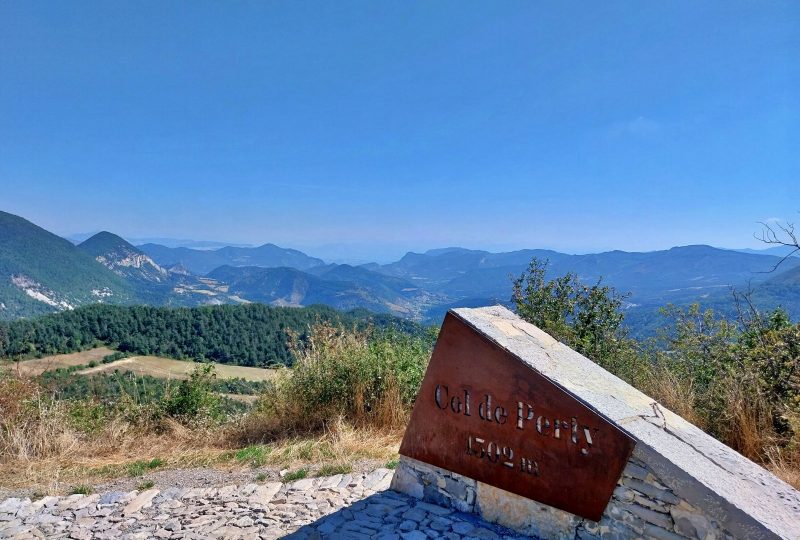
x=642, y=506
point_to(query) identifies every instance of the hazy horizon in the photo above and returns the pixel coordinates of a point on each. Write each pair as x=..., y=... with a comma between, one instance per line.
x=355, y=253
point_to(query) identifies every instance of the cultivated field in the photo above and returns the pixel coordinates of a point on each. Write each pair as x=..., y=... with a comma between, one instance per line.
x=156, y=366
x=37, y=366
x=167, y=368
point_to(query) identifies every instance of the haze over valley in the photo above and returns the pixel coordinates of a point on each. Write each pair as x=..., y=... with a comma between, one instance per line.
x=42, y=273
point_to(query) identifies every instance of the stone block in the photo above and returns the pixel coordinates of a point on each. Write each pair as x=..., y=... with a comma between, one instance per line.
x=651, y=504
x=635, y=471
x=657, y=533
x=690, y=524
x=432, y=494
x=624, y=494
x=407, y=480
x=524, y=515
x=651, y=491
x=650, y=516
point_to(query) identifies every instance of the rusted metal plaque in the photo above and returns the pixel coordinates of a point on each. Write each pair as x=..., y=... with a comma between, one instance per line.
x=485, y=414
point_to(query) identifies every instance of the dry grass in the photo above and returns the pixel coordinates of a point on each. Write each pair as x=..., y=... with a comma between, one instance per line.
x=40, y=438
x=785, y=465
x=109, y=455
x=744, y=420
x=43, y=447
x=37, y=366
x=675, y=394
x=96, y=459
x=340, y=443
x=347, y=402
x=168, y=368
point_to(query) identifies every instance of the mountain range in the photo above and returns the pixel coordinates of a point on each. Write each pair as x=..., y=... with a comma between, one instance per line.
x=41, y=272
x=201, y=262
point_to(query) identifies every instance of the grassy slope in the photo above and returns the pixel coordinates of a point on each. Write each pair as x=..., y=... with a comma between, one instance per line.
x=168, y=368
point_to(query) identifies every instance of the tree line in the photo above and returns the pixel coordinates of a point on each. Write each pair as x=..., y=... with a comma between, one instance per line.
x=248, y=335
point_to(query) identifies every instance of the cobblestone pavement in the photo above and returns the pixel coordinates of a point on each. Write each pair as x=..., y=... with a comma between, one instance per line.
x=342, y=506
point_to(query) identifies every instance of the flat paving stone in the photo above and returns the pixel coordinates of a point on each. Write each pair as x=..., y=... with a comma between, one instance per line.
x=350, y=506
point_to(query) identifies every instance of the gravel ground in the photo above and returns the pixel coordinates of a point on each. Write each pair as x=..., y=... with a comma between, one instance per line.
x=199, y=477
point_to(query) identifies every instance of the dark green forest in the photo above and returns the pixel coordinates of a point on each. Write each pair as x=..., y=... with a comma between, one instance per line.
x=249, y=335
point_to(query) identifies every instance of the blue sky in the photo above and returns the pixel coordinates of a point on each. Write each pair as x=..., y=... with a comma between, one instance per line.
x=381, y=126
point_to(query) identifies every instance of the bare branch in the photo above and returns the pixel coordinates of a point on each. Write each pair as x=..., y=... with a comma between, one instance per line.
x=779, y=234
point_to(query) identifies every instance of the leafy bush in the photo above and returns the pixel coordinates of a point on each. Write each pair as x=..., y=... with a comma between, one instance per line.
x=195, y=396
x=365, y=378
x=587, y=318
x=88, y=416
x=121, y=390
x=113, y=357
x=741, y=378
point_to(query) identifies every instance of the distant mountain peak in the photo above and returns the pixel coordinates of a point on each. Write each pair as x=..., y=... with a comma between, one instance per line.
x=104, y=241
x=201, y=262
x=444, y=251
x=121, y=257
x=695, y=247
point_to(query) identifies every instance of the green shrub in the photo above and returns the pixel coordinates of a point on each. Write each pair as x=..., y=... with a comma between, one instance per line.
x=299, y=474
x=365, y=378
x=113, y=357
x=87, y=416
x=195, y=396
x=587, y=318
x=742, y=378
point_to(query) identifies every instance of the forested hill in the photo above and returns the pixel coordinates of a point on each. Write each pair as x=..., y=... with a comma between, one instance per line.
x=41, y=272
x=249, y=335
